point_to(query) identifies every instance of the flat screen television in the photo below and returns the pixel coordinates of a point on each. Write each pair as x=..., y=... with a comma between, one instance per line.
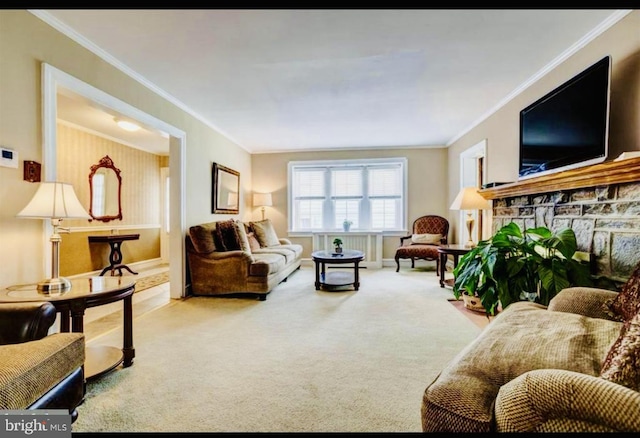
x=568, y=127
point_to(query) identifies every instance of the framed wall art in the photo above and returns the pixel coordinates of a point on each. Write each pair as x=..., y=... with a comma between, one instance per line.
x=225, y=190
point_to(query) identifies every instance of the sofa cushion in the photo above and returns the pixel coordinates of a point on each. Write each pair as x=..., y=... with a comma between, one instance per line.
x=622, y=364
x=243, y=240
x=627, y=303
x=253, y=242
x=266, y=264
x=202, y=237
x=265, y=233
x=228, y=233
x=463, y=395
x=288, y=254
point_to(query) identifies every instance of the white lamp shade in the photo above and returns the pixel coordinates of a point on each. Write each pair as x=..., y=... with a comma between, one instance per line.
x=470, y=199
x=262, y=200
x=54, y=200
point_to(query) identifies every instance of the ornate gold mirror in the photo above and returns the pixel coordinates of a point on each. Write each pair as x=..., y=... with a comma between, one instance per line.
x=105, y=184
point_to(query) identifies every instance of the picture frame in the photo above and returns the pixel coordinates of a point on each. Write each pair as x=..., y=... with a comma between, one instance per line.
x=225, y=190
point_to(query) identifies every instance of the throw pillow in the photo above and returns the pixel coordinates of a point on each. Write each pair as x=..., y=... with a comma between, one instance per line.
x=228, y=235
x=253, y=242
x=433, y=239
x=202, y=238
x=242, y=237
x=622, y=364
x=265, y=233
x=627, y=303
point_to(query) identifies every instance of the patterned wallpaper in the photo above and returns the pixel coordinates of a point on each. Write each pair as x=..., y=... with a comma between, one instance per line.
x=77, y=151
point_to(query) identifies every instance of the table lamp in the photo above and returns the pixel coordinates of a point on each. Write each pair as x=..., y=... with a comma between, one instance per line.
x=262, y=200
x=55, y=201
x=469, y=199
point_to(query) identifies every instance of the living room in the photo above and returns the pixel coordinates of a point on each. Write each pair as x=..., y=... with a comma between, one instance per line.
x=433, y=172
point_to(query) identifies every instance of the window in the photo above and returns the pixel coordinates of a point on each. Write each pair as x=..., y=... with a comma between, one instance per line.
x=369, y=193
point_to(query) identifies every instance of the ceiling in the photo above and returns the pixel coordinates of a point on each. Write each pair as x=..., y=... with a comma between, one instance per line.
x=275, y=80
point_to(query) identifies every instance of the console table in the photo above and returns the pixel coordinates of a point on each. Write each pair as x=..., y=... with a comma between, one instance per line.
x=115, y=257
x=71, y=304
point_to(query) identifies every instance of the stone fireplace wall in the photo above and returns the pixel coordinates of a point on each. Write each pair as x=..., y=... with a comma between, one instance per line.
x=605, y=219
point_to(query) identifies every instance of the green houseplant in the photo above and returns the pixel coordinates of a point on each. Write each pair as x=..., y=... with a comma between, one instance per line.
x=337, y=243
x=515, y=265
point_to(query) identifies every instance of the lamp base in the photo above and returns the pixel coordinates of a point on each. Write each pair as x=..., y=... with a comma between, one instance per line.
x=54, y=286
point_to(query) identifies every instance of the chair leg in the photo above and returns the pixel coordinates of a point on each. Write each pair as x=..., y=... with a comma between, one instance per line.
x=413, y=263
x=397, y=263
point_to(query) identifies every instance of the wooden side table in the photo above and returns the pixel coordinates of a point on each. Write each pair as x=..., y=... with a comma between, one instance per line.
x=115, y=257
x=445, y=251
x=71, y=304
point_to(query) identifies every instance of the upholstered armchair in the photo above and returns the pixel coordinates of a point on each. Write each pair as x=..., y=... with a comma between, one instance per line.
x=428, y=232
x=39, y=370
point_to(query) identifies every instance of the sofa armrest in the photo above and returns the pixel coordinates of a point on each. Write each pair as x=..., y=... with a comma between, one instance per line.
x=551, y=400
x=587, y=301
x=284, y=241
x=22, y=322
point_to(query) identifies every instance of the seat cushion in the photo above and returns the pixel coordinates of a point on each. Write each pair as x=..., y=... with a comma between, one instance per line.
x=30, y=369
x=418, y=251
x=266, y=264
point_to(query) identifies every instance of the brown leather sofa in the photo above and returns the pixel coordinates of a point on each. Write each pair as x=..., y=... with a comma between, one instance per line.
x=39, y=370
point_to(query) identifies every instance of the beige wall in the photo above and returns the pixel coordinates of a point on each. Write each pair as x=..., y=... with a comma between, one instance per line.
x=501, y=130
x=427, y=175
x=25, y=43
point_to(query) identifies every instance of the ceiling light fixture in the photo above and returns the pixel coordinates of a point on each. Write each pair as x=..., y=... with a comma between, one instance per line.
x=127, y=125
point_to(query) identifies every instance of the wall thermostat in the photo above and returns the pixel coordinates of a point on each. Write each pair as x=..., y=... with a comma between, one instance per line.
x=8, y=157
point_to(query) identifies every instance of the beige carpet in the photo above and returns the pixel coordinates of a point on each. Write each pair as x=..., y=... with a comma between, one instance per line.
x=301, y=361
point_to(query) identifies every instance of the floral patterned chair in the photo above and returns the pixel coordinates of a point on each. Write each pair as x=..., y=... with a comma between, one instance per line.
x=428, y=232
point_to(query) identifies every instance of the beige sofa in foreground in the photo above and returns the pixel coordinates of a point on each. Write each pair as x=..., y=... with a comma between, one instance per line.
x=565, y=368
x=260, y=262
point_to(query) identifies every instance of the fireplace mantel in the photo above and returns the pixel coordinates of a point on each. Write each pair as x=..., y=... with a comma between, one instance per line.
x=609, y=172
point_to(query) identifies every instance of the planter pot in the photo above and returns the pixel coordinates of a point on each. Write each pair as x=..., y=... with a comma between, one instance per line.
x=473, y=303
x=338, y=249
x=346, y=227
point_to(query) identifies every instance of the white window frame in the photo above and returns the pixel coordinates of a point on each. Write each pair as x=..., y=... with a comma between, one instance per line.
x=402, y=161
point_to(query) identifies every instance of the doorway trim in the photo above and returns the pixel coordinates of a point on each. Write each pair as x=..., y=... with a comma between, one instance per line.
x=469, y=175
x=52, y=78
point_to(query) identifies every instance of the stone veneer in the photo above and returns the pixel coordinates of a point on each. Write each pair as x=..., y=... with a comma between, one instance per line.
x=605, y=219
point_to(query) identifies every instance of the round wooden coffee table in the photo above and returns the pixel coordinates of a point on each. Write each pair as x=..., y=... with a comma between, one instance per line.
x=333, y=280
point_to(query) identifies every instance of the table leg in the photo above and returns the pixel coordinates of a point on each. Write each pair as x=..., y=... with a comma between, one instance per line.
x=127, y=344
x=65, y=321
x=443, y=268
x=317, y=274
x=356, y=276
x=77, y=315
